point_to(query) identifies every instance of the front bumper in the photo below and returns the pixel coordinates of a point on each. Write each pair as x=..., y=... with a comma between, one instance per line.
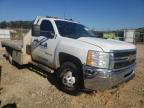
x=98, y=79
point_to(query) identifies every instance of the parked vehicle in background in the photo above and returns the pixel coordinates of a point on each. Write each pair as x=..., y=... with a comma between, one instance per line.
x=80, y=60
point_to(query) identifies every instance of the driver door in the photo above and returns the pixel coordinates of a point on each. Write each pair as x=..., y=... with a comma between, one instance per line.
x=40, y=50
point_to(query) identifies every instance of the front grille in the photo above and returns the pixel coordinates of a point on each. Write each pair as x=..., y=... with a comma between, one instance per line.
x=124, y=53
x=123, y=64
x=124, y=58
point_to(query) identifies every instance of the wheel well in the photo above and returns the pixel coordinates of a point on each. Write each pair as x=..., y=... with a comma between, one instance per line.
x=63, y=57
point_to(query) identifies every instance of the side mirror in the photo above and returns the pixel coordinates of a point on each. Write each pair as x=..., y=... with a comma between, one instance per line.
x=35, y=30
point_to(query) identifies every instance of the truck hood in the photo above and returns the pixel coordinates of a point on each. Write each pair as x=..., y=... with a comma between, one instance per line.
x=107, y=45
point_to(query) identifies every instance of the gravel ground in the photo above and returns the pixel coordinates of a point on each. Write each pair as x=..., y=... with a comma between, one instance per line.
x=28, y=87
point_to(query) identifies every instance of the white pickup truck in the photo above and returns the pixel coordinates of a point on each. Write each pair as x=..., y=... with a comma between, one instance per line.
x=80, y=59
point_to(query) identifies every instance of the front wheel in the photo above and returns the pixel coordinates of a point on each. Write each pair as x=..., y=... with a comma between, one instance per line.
x=68, y=78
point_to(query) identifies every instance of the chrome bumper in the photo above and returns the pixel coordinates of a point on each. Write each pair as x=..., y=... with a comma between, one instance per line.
x=95, y=79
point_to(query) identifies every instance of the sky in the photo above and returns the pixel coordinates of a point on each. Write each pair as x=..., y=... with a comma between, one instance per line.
x=96, y=14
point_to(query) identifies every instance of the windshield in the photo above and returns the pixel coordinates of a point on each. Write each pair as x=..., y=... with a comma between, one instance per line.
x=72, y=30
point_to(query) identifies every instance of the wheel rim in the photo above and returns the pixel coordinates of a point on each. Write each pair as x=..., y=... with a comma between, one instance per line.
x=68, y=79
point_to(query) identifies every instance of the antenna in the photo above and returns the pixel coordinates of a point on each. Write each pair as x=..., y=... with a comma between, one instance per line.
x=65, y=8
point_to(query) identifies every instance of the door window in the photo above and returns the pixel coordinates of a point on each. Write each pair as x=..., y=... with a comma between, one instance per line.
x=46, y=28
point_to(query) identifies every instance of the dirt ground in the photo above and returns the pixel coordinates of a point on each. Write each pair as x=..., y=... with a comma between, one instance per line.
x=29, y=88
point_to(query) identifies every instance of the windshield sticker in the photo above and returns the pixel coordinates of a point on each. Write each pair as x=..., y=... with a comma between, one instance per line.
x=86, y=29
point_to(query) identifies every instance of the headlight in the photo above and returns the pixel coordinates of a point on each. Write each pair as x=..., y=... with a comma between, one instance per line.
x=98, y=59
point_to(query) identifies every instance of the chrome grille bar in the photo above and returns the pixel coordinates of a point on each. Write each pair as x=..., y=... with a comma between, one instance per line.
x=123, y=59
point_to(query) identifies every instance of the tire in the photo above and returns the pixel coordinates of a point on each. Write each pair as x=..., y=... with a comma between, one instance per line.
x=68, y=78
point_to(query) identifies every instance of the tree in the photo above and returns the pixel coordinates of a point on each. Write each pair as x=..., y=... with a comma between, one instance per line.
x=16, y=24
x=3, y=24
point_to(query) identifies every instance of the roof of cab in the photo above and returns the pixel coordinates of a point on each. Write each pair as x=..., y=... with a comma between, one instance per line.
x=56, y=18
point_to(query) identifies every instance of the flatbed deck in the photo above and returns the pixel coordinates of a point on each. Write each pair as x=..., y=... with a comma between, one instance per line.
x=15, y=44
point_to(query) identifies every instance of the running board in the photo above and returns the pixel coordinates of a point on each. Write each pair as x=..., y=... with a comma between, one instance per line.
x=42, y=67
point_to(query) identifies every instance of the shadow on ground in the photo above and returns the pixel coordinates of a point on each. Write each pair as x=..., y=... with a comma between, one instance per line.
x=13, y=105
x=52, y=78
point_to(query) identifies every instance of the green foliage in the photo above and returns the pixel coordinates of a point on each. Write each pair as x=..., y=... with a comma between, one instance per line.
x=109, y=35
x=140, y=30
x=16, y=24
x=3, y=24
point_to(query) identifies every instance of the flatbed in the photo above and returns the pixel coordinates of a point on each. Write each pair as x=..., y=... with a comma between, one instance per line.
x=14, y=44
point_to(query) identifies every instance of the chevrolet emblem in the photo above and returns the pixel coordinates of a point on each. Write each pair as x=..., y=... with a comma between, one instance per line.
x=130, y=58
